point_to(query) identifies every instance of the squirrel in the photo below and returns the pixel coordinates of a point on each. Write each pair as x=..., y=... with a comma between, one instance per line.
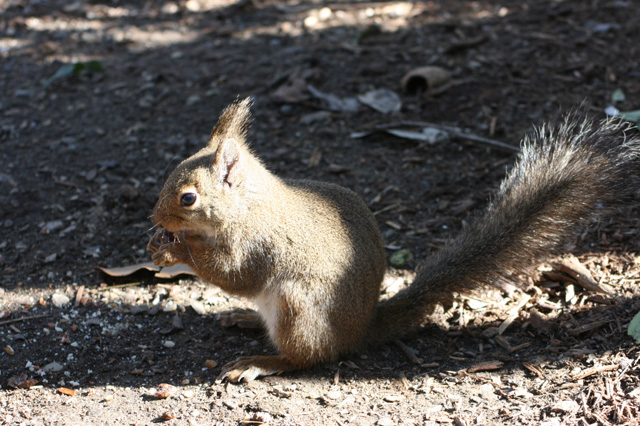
x=310, y=256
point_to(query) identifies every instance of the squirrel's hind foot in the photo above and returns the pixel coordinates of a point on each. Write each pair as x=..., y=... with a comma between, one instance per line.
x=248, y=368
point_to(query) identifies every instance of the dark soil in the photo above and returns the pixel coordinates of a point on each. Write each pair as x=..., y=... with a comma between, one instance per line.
x=85, y=154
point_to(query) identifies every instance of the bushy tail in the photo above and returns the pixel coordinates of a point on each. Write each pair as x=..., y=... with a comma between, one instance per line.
x=561, y=178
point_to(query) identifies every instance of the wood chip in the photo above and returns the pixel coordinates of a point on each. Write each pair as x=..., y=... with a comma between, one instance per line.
x=594, y=370
x=588, y=327
x=410, y=353
x=571, y=266
x=316, y=156
x=513, y=314
x=486, y=366
x=79, y=295
x=535, y=369
x=502, y=342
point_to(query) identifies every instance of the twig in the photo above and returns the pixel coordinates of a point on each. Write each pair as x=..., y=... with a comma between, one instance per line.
x=513, y=314
x=111, y=287
x=453, y=131
x=408, y=352
x=384, y=209
x=594, y=370
x=23, y=319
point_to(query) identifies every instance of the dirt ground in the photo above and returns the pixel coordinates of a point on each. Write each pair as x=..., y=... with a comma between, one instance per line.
x=101, y=99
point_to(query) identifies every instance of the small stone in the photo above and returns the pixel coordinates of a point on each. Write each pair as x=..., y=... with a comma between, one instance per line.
x=164, y=391
x=92, y=251
x=59, y=300
x=52, y=226
x=210, y=363
x=230, y=404
x=334, y=395
x=259, y=418
x=169, y=344
x=193, y=99
x=168, y=415
x=568, y=406
x=52, y=366
x=24, y=299
x=170, y=306
x=138, y=309
x=392, y=398
x=51, y=258
x=91, y=175
x=129, y=192
x=385, y=421
x=198, y=307
x=315, y=117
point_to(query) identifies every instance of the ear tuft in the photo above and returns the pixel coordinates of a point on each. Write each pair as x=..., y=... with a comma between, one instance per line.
x=233, y=122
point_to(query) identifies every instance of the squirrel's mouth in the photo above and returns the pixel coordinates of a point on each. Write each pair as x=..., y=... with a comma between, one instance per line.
x=163, y=236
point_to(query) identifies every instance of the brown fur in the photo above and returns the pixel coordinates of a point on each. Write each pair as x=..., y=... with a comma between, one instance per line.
x=310, y=255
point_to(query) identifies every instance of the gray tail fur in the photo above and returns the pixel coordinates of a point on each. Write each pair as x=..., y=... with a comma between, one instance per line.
x=561, y=178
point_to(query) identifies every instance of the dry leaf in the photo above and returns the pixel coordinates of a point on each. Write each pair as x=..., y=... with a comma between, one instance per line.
x=161, y=272
x=67, y=391
x=21, y=382
x=382, y=100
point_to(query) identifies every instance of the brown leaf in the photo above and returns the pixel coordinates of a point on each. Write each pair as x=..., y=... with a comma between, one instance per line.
x=21, y=382
x=161, y=272
x=67, y=391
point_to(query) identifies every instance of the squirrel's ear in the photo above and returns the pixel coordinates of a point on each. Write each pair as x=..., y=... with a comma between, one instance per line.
x=228, y=163
x=233, y=122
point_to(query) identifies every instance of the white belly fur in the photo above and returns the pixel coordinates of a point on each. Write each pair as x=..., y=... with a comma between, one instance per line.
x=267, y=304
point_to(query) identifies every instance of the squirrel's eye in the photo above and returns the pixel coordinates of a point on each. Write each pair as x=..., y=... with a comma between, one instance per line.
x=188, y=199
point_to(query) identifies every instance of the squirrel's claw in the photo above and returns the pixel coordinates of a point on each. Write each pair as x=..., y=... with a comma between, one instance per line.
x=248, y=368
x=160, y=238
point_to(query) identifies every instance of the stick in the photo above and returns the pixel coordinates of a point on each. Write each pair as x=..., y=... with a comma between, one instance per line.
x=454, y=131
x=408, y=352
x=23, y=319
x=119, y=286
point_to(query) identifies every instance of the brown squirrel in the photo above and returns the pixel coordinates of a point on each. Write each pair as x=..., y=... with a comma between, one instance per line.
x=310, y=256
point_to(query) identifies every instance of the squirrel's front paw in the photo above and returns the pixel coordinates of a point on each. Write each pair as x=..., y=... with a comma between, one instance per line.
x=165, y=247
x=164, y=257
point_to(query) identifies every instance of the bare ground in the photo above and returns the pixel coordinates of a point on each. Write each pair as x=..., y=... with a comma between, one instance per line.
x=84, y=156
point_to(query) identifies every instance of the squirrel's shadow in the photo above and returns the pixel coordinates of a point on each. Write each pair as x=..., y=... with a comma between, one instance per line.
x=121, y=348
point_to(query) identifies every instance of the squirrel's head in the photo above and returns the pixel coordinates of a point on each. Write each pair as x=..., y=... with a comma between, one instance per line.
x=210, y=188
